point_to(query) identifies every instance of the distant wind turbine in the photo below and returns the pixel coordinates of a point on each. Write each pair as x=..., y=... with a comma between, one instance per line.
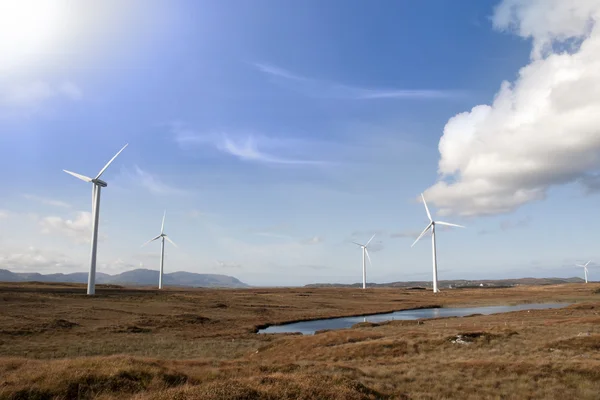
x=97, y=184
x=365, y=252
x=432, y=225
x=162, y=238
x=585, y=270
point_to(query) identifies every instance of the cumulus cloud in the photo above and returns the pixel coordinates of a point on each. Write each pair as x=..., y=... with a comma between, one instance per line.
x=78, y=229
x=34, y=259
x=540, y=131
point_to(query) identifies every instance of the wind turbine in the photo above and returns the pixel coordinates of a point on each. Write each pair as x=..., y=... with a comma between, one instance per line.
x=585, y=270
x=365, y=252
x=162, y=238
x=97, y=184
x=432, y=225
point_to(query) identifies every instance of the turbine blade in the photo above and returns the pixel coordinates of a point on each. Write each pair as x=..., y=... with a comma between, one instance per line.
x=369, y=258
x=170, y=241
x=111, y=160
x=82, y=177
x=162, y=227
x=370, y=240
x=151, y=240
x=586, y=264
x=449, y=224
x=426, y=208
x=358, y=244
x=422, y=233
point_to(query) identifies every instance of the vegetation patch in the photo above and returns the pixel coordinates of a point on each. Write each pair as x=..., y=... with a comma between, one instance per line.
x=85, y=379
x=127, y=329
x=37, y=328
x=585, y=342
x=276, y=386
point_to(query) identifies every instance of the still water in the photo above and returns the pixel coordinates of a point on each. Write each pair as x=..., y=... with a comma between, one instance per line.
x=309, y=327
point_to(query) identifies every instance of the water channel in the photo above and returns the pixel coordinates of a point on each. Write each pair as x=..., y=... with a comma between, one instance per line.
x=310, y=327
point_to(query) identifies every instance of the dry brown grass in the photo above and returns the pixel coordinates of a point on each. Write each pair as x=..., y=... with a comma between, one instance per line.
x=55, y=342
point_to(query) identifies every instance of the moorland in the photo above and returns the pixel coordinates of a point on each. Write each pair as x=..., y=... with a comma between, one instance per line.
x=141, y=343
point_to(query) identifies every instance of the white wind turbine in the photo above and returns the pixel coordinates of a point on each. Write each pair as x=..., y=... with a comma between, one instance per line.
x=97, y=184
x=585, y=270
x=162, y=238
x=365, y=252
x=432, y=225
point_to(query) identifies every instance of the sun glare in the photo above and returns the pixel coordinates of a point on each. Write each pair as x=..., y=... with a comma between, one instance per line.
x=27, y=28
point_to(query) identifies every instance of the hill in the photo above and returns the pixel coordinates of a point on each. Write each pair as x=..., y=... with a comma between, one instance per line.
x=134, y=277
x=461, y=283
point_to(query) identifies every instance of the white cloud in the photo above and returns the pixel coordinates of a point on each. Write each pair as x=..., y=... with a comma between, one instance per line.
x=153, y=183
x=78, y=229
x=227, y=265
x=542, y=130
x=271, y=256
x=119, y=265
x=70, y=90
x=413, y=234
x=314, y=240
x=546, y=21
x=521, y=223
x=320, y=88
x=4, y=214
x=35, y=259
x=31, y=94
x=194, y=214
x=47, y=201
x=250, y=147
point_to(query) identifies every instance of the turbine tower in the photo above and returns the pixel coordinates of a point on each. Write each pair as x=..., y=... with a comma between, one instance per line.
x=365, y=252
x=585, y=270
x=162, y=238
x=431, y=226
x=97, y=184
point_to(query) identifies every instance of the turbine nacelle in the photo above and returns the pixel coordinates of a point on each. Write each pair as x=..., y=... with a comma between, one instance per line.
x=99, y=182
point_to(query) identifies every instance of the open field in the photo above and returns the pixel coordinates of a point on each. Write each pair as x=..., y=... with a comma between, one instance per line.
x=56, y=342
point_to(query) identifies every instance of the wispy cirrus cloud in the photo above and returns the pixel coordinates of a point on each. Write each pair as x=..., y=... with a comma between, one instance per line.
x=322, y=88
x=249, y=147
x=508, y=225
x=405, y=234
x=151, y=182
x=47, y=201
x=35, y=92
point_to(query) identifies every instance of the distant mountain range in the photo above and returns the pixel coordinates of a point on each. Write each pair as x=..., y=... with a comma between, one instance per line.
x=135, y=277
x=460, y=283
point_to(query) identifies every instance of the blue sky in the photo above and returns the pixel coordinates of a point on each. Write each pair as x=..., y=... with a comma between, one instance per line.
x=275, y=133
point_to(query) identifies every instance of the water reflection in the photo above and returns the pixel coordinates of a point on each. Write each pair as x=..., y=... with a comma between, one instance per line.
x=309, y=327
